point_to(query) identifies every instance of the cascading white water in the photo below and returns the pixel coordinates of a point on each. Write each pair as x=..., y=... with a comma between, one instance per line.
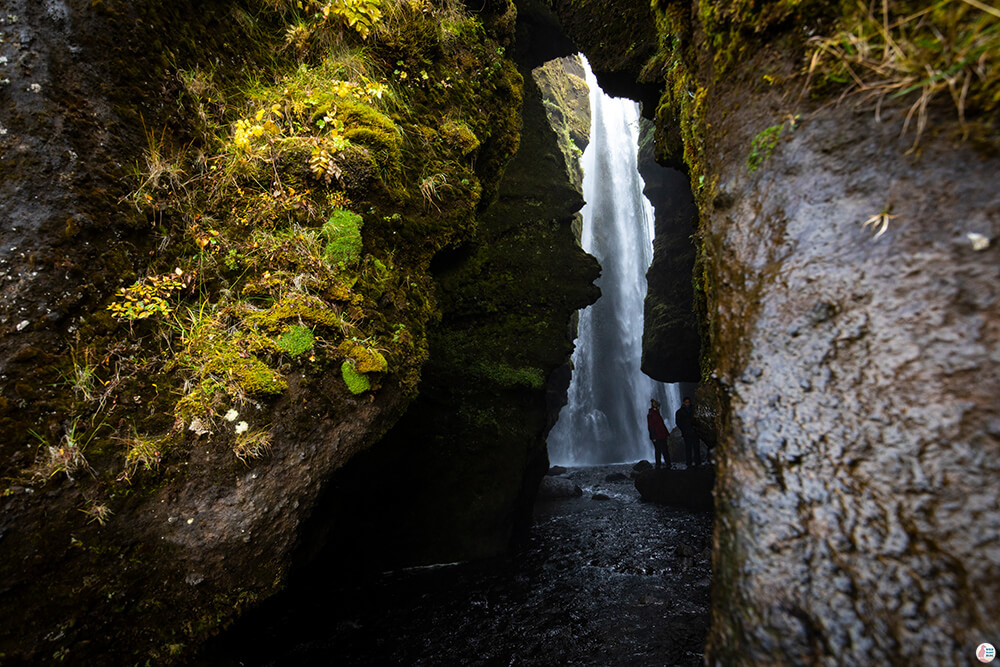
x=604, y=420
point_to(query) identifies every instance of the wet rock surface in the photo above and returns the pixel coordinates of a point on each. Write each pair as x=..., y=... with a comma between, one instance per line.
x=618, y=582
x=558, y=487
x=858, y=473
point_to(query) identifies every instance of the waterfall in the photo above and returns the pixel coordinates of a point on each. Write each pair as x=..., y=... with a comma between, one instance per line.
x=604, y=420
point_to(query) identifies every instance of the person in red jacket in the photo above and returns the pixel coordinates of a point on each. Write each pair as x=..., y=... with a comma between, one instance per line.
x=658, y=432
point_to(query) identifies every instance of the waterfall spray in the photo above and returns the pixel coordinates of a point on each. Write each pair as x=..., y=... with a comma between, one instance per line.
x=604, y=419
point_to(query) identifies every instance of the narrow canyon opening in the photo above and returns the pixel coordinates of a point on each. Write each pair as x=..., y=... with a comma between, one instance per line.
x=599, y=572
x=603, y=420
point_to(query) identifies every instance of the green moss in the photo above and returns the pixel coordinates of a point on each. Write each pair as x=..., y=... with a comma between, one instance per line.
x=296, y=340
x=356, y=382
x=511, y=377
x=294, y=307
x=342, y=233
x=460, y=136
x=763, y=145
x=364, y=359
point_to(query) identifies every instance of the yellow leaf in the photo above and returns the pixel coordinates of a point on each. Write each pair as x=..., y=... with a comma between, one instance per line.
x=260, y=114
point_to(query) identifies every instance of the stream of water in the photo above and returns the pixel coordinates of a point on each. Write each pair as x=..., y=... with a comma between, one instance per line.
x=604, y=420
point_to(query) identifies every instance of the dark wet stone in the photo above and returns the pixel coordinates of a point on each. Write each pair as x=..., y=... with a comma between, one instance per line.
x=642, y=466
x=600, y=583
x=617, y=477
x=558, y=487
x=690, y=489
x=600, y=496
x=556, y=470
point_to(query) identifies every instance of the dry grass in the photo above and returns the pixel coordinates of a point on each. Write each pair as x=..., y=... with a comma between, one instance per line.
x=98, y=512
x=251, y=444
x=893, y=50
x=66, y=457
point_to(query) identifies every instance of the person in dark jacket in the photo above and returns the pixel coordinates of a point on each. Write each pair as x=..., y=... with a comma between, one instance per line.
x=685, y=422
x=658, y=432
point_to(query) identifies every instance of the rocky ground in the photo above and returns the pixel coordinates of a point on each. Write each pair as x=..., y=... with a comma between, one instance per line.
x=606, y=579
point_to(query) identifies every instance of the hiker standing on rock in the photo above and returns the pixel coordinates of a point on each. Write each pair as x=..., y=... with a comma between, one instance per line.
x=684, y=417
x=658, y=432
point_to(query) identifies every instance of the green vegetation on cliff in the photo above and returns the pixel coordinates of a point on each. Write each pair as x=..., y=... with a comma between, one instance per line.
x=289, y=207
x=305, y=215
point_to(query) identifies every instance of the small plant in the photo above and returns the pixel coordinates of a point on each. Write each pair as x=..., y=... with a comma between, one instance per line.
x=356, y=382
x=141, y=452
x=296, y=340
x=251, y=444
x=83, y=376
x=879, y=221
x=148, y=297
x=429, y=188
x=764, y=143
x=96, y=511
x=323, y=161
x=361, y=15
x=67, y=458
x=160, y=174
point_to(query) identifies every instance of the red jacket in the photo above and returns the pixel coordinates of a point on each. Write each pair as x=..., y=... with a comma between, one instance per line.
x=657, y=429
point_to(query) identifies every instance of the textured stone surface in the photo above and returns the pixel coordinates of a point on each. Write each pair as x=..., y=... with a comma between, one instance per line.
x=857, y=514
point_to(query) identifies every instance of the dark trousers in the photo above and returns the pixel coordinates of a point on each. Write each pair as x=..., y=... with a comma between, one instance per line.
x=661, y=450
x=692, y=449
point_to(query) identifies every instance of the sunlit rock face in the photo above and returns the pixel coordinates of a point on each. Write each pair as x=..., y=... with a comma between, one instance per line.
x=857, y=514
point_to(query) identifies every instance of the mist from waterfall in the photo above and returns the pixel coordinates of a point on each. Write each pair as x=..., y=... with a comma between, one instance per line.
x=604, y=420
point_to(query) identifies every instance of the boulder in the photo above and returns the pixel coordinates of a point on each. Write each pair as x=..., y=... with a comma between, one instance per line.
x=558, y=487
x=556, y=470
x=642, y=466
x=690, y=489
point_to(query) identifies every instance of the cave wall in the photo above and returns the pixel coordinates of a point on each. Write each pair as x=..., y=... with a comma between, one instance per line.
x=849, y=380
x=858, y=472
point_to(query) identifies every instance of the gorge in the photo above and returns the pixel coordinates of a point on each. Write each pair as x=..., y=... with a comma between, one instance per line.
x=602, y=420
x=274, y=272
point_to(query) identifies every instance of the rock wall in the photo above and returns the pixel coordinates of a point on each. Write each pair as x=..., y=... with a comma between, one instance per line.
x=858, y=472
x=671, y=342
x=456, y=477
x=161, y=473
x=850, y=375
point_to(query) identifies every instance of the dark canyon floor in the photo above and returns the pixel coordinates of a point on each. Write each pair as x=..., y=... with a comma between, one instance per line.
x=602, y=581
